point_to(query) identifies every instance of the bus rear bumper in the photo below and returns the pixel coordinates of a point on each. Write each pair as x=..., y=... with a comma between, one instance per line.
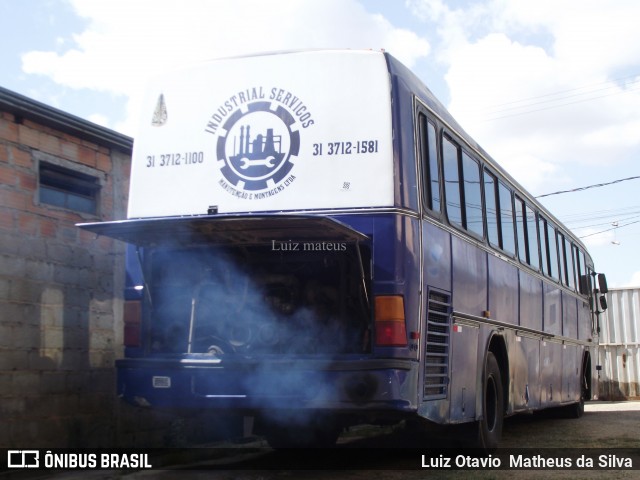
x=245, y=387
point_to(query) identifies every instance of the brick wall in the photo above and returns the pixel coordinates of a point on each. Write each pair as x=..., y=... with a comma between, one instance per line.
x=61, y=294
x=60, y=307
x=61, y=297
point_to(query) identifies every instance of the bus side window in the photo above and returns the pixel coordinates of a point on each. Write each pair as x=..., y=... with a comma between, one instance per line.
x=571, y=272
x=491, y=211
x=553, y=251
x=473, y=220
x=520, y=230
x=581, y=272
x=429, y=153
x=506, y=219
x=532, y=235
x=590, y=280
x=561, y=259
x=452, y=181
x=462, y=188
x=544, y=252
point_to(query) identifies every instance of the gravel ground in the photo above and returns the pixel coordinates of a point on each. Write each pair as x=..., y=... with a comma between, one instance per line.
x=605, y=425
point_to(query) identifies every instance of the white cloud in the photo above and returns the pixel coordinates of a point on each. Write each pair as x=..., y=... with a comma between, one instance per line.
x=635, y=280
x=126, y=42
x=540, y=80
x=99, y=119
x=600, y=240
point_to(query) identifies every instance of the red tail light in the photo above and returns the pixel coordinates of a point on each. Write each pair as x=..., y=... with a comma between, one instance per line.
x=391, y=330
x=132, y=323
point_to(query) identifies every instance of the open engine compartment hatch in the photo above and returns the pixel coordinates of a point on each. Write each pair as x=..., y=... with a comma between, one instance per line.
x=243, y=229
x=235, y=286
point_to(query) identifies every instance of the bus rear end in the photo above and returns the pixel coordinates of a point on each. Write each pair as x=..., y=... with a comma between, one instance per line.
x=262, y=228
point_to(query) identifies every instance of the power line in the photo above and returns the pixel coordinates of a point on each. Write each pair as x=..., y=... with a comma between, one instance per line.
x=609, y=229
x=579, y=189
x=558, y=99
x=558, y=105
x=599, y=214
x=605, y=223
x=571, y=91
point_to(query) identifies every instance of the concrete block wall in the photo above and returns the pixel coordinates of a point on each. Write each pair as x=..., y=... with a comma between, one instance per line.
x=60, y=306
x=61, y=296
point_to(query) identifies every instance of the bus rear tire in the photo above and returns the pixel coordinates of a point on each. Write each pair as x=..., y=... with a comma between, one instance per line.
x=575, y=410
x=489, y=427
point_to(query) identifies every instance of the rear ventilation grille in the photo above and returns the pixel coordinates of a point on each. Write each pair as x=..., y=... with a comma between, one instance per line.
x=436, y=367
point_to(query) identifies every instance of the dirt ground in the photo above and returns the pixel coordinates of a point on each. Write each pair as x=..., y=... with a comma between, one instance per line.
x=613, y=425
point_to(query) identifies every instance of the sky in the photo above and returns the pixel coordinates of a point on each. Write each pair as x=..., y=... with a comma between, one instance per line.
x=550, y=89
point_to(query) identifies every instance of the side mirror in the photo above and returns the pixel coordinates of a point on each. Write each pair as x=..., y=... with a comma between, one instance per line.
x=603, y=303
x=602, y=283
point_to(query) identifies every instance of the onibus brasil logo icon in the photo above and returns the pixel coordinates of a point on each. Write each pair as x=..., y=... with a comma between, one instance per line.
x=258, y=141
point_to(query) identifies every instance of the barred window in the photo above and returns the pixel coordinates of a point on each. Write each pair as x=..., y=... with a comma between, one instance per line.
x=67, y=188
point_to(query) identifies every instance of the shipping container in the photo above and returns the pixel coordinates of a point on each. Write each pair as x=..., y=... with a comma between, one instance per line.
x=620, y=345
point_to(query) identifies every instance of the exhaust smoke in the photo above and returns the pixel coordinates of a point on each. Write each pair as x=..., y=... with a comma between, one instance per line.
x=251, y=301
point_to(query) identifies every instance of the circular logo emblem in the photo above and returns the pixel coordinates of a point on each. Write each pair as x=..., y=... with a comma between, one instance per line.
x=257, y=146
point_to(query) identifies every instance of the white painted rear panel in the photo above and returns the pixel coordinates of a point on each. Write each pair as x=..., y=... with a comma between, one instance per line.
x=290, y=131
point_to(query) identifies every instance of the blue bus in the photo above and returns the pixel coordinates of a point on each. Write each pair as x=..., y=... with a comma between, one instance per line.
x=319, y=244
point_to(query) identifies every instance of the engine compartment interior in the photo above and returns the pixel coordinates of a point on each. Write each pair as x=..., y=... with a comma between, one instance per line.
x=258, y=300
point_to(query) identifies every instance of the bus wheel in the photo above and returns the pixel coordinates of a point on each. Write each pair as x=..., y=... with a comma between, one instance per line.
x=576, y=410
x=489, y=427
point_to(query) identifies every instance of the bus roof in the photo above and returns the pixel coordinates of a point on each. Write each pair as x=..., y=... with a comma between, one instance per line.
x=417, y=86
x=303, y=130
